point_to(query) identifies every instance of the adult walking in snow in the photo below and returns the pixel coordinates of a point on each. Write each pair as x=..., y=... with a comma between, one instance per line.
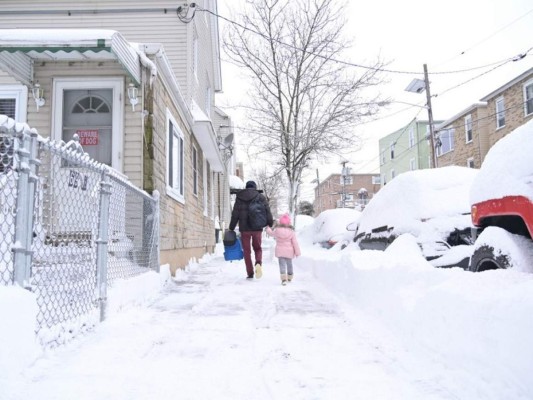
x=252, y=212
x=287, y=247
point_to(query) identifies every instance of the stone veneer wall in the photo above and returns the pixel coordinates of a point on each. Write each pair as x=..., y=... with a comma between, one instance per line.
x=184, y=230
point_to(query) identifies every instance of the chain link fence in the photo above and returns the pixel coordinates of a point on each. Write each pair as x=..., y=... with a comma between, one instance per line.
x=69, y=226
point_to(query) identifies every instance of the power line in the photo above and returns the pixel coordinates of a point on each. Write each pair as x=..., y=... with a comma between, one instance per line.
x=517, y=58
x=487, y=117
x=347, y=63
x=496, y=32
x=487, y=38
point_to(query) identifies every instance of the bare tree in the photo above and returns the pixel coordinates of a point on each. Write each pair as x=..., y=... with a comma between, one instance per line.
x=272, y=185
x=304, y=102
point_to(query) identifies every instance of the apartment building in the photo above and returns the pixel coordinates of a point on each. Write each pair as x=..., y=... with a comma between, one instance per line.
x=345, y=191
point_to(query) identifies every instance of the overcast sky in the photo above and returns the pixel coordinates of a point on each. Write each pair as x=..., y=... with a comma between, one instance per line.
x=447, y=36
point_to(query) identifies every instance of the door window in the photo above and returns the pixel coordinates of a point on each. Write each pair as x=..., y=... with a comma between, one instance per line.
x=88, y=113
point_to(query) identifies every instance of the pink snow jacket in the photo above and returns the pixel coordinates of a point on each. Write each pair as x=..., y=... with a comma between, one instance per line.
x=286, y=242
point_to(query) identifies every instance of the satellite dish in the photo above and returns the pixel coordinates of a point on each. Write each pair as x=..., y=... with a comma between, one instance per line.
x=228, y=140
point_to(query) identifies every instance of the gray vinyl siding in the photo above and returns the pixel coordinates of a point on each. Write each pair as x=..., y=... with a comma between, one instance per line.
x=142, y=27
x=6, y=79
x=132, y=123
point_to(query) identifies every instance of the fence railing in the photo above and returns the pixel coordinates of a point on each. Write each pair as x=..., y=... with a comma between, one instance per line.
x=69, y=226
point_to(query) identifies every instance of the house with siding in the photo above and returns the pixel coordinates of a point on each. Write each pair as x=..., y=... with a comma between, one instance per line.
x=406, y=149
x=345, y=191
x=136, y=85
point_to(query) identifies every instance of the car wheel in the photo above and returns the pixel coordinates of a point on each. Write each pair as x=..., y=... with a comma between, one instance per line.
x=486, y=258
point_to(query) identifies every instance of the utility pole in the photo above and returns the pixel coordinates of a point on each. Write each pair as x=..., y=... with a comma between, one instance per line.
x=318, y=192
x=343, y=175
x=430, y=118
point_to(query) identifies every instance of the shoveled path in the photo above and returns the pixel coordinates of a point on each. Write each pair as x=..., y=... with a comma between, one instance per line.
x=212, y=334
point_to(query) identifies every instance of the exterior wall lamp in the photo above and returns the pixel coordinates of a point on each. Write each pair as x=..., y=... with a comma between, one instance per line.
x=132, y=96
x=38, y=95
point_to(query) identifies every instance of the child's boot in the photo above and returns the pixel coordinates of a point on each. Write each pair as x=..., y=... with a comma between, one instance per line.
x=289, y=277
x=283, y=279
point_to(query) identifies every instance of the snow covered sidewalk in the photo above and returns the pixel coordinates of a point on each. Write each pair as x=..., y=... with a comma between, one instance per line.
x=373, y=326
x=213, y=334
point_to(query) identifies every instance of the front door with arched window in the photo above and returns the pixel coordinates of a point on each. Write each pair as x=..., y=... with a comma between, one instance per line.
x=92, y=109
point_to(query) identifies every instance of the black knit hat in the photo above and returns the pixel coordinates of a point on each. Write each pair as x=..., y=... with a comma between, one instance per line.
x=251, y=184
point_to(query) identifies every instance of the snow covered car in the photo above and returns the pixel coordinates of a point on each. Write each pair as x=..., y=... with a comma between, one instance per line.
x=502, y=204
x=332, y=226
x=432, y=205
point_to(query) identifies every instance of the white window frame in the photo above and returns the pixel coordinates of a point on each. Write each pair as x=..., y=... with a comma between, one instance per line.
x=84, y=82
x=411, y=137
x=195, y=164
x=412, y=164
x=205, y=192
x=20, y=94
x=470, y=163
x=213, y=179
x=392, y=174
x=177, y=191
x=469, y=133
x=450, y=137
x=500, y=101
x=376, y=180
x=528, y=101
x=392, y=145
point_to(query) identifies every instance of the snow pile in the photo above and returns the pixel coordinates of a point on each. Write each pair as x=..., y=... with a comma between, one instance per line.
x=465, y=321
x=235, y=182
x=507, y=169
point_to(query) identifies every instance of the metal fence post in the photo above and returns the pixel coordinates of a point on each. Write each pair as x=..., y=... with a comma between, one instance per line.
x=34, y=163
x=101, y=243
x=21, y=251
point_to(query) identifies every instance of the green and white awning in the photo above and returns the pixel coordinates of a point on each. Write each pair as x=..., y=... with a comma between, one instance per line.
x=19, y=48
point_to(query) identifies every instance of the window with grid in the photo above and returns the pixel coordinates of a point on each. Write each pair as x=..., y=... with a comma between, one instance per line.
x=528, y=98
x=500, y=113
x=8, y=107
x=446, y=141
x=175, y=170
x=195, y=171
x=468, y=128
x=411, y=137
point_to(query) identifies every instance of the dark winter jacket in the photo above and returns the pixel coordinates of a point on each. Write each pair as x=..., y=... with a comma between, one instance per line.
x=240, y=210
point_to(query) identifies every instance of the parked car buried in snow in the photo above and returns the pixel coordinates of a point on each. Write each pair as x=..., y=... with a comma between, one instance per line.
x=432, y=205
x=502, y=204
x=333, y=226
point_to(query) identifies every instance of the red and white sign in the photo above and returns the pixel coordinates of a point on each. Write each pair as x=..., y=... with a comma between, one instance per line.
x=88, y=137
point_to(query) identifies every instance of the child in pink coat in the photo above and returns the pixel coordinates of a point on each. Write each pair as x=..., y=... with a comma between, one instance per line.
x=286, y=247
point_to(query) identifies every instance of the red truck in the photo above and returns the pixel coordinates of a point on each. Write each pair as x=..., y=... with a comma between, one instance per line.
x=502, y=205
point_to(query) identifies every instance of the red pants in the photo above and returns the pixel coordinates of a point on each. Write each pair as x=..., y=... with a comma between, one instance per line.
x=255, y=237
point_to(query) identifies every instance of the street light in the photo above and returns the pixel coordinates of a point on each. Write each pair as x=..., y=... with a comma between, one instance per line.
x=418, y=86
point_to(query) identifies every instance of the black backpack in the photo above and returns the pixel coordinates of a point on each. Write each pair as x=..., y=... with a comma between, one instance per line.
x=257, y=214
